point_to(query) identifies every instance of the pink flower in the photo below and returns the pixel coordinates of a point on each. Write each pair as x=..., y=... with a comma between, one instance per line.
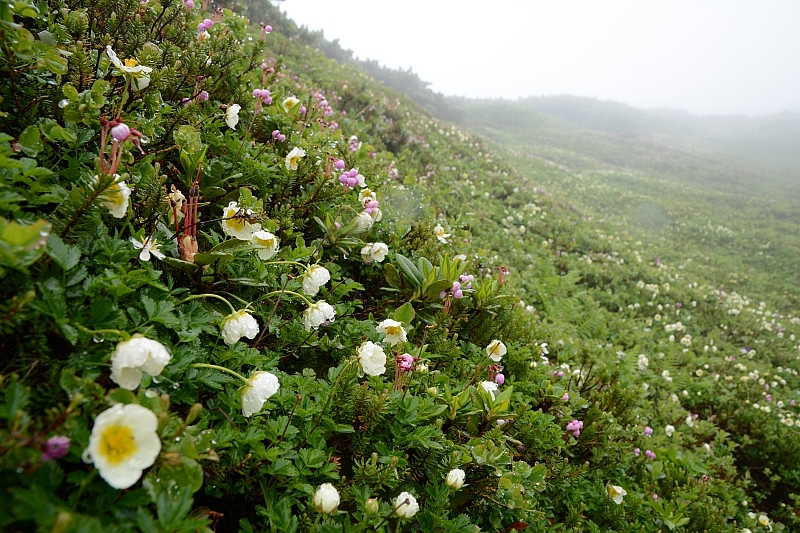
x=769, y=397
x=648, y=430
x=499, y=379
x=655, y=497
x=55, y=448
x=575, y=427
x=558, y=373
x=203, y=94
x=649, y=454
x=565, y=397
x=339, y=164
x=636, y=452
x=405, y=362
x=189, y=5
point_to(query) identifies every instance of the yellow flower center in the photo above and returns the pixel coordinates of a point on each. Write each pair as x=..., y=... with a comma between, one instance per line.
x=494, y=348
x=293, y=161
x=117, y=444
x=235, y=222
x=393, y=330
x=131, y=63
x=268, y=243
x=114, y=195
x=613, y=492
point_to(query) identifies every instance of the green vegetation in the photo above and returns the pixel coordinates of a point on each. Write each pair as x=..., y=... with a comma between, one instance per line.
x=248, y=288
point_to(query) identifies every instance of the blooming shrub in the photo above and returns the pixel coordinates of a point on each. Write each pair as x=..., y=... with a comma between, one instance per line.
x=202, y=315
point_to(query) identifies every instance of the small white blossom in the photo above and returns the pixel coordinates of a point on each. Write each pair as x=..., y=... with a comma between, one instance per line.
x=232, y=116
x=496, y=350
x=290, y=103
x=315, y=277
x=455, y=478
x=116, y=198
x=150, y=246
x=133, y=357
x=393, y=330
x=317, y=314
x=235, y=222
x=438, y=230
x=643, y=362
x=266, y=242
x=237, y=325
x=374, y=252
x=372, y=358
x=138, y=74
x=326, y=499
x=405, y=505
x=490, y=387
x=293, y=158
x=364, y=222
x=616, y=493
x=123, y=443
x=258, y=388
x=669, y=430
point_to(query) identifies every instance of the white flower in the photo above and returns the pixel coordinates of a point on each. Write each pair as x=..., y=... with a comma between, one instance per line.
x=116, y=198
x=765, y=521
x=643, y=362
x=315, y=277
x=393, y=330
x=690, y=421
x=372, y=358
x=405, y=505
x=669, y=430
x=290, y=103
x=237, y=325
x=258, y=388
x=616, y=493
x=317, y=314
x=364, y=221
x=235, y=222
x=365, y=196
x=293, y=158
x=267, y=244
x=232, y=115
x=150, y=246
x=374, y=251
x=133, y=357
x=438, y=230
x=496, y=350
x=490, y=387
x=455, y=478
x=326, y=499
x=123, y=443
x=138, y=74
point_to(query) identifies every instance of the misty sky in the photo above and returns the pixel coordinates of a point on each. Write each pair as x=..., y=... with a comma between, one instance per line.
x=707, y=57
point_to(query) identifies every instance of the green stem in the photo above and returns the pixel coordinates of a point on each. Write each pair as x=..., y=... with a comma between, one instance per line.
x=221, y=369
x=124, y=334
x=217, y=296
x=285, y=263
x=284, y=291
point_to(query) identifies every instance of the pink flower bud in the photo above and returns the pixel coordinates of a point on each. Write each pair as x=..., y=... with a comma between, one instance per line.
x=189, y=5
x=203, y=96
x=648, y=430
x=120, y=132
x=636, y=452
x=499, y=379
x=339, y=164
x=55, y=448
x=565, y=397
x=267, y=29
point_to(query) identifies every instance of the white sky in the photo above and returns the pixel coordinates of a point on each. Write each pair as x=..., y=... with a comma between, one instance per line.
x=704, y=56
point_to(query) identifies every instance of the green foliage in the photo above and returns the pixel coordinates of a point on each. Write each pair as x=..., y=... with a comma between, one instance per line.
x=224, y=281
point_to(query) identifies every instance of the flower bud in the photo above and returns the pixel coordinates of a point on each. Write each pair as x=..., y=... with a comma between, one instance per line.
x=326, y=499
x=372, y=506
x=455, y=478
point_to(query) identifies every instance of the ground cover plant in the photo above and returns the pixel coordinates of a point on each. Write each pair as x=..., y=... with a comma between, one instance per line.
x=247, y=288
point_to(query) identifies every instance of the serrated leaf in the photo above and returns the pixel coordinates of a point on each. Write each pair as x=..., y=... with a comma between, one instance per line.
x=65, y=255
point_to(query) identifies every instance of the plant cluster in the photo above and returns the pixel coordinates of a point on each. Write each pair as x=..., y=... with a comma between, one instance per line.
x=248, y=289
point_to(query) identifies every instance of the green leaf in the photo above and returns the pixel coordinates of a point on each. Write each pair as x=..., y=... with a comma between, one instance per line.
x=30, y=141
x=392, y=276
x=410, y=271
x=187, y=474
x=123, y=396
x=66, y=256
x=433, y=290
x=405, y=313
x=211, y=257
x=55, y=63
x=70, y=92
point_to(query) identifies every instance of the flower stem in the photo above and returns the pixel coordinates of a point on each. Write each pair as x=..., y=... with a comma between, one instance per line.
x=124, y=334
x=284, y=291
x=217, y=296
x=221, y=369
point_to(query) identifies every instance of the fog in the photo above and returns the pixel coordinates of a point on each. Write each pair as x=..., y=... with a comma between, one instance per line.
x=706, y=57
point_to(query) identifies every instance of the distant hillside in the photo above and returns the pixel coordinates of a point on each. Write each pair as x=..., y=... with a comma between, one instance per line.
x=770, y=141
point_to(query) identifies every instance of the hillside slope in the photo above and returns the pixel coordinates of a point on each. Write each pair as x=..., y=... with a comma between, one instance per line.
x=247, y=288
